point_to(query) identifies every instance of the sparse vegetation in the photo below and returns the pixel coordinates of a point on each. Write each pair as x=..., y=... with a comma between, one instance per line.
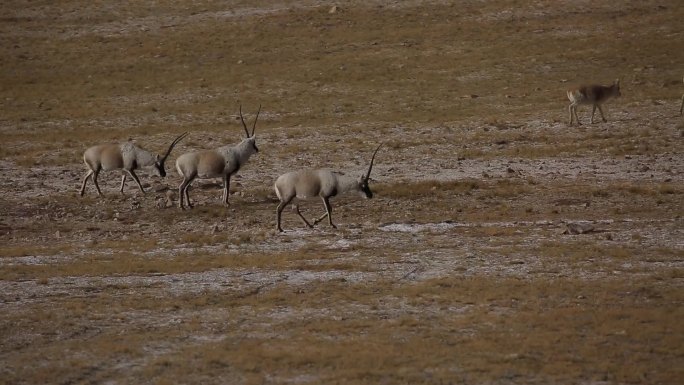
x=459, y=270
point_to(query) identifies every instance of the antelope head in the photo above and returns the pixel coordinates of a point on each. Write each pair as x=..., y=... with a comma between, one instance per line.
x=363, y=182
x=159, y=162
x=250, y=137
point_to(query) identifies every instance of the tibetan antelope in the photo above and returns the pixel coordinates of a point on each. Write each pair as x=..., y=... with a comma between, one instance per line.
x=220, y=162
x=126, y=157
x=591, y=94
x=323, y=183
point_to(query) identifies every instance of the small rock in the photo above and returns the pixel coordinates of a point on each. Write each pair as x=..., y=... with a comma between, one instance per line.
x=170, y=195
x=158, y=187
x=579, y=228
x=333, y=9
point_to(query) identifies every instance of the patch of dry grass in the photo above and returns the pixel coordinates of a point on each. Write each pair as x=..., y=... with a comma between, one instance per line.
x=112, y=296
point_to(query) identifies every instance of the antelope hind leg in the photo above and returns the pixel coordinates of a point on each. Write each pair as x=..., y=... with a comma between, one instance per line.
x=309, y=225
x=88, y=175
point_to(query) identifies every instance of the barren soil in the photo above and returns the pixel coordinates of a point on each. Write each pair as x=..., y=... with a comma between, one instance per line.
x=501, y=246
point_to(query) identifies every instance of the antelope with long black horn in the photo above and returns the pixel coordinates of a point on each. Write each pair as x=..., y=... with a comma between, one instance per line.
x=322, y=183
x=127, y=157
x=222, y=162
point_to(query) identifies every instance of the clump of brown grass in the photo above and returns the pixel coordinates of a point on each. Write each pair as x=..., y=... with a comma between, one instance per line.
x=411, y=189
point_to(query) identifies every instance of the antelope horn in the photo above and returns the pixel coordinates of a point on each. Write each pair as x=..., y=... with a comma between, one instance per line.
x=371, y=163
x=243, y=122
x=255, y=120
x=173, y=144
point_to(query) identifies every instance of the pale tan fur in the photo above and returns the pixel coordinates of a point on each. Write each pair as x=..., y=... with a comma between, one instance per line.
x=222, y=162
x=321, y=183
x=591, y=94
x=126, y=157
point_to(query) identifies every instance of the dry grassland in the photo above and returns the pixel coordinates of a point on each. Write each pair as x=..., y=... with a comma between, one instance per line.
x=459, y=271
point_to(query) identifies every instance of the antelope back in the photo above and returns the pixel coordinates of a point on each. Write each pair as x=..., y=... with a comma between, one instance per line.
x=105, y=156
x=592, y=94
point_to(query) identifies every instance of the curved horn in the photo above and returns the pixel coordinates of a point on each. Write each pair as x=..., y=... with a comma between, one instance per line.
x=371, y=163
x=255, y=120
x=173, y=144
x=243, y=122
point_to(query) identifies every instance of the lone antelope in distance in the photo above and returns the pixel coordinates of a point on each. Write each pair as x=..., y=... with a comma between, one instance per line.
x=591, y=94
x=220, y=162
x=323, y=183
x=126, y=157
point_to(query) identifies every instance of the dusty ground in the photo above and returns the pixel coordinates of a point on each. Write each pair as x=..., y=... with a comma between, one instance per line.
x=461, y=269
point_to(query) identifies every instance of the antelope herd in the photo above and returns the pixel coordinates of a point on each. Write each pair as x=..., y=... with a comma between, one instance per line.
x=225, y=161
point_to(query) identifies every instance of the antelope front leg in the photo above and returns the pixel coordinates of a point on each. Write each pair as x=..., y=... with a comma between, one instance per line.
x=601, y=111
x=328, y=213
x=320, y=218
x=135, y=178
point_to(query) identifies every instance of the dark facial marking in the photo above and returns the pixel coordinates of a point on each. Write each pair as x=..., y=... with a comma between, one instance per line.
x=366, y=190
x=160, y=168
